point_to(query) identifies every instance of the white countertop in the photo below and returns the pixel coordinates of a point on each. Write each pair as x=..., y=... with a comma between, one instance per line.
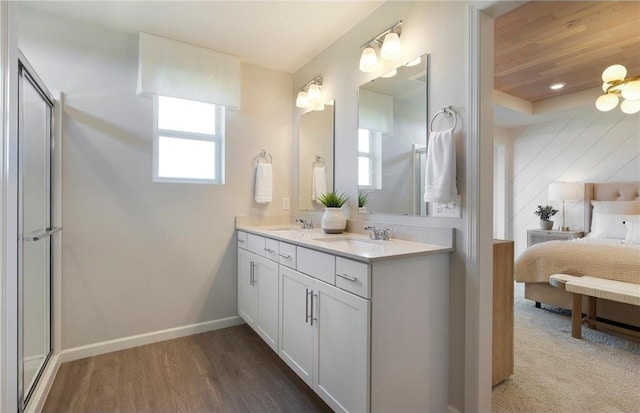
x=348, y=245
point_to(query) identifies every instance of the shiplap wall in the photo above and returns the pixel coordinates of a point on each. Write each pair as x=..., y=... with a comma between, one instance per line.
x=588, y=146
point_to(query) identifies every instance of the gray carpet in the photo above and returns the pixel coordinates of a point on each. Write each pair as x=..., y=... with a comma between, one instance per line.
x=554, y=372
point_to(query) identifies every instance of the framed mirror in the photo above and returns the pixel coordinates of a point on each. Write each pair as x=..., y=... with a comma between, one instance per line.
x=392, y=139
x=315, y=156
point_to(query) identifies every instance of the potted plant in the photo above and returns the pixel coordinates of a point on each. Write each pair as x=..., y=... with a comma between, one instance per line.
x=333, y=220
x=545, y=212
x=363, y=199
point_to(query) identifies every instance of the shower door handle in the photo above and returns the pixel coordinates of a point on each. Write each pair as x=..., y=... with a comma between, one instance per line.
x=47, y=233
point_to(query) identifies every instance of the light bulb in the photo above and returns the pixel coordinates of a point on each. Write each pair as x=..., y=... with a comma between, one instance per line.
x=630, y=106
x=315, y=92
x=606, y=102
x=302, y=101
x=368, y=60
x=631, y=90
x=613, y=73
x=390, y=73
x=391, y=47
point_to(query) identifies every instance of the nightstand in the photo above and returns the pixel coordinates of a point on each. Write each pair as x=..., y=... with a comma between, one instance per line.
x=535, y=236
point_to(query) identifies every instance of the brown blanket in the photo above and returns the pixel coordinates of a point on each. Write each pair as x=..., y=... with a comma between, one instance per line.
x=614, y=262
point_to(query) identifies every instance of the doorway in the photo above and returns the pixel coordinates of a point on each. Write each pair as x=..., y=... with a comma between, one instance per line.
x=35, y=230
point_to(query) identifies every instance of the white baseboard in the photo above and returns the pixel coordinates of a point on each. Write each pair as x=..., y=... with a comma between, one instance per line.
x=103, y=347
x=40, y=393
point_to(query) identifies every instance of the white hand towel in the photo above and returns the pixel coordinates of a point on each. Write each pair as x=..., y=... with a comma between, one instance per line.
x=440, y=175
x=318, y=182
x=264, y=183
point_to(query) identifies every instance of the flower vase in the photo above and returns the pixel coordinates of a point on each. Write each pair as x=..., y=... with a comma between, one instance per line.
x=333, y=221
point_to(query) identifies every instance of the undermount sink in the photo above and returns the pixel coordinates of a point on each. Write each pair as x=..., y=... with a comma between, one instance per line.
x=345, y=242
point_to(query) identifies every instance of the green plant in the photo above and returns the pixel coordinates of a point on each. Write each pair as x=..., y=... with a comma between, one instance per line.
x=333, y=199
x=545, y=212
x=363, y=199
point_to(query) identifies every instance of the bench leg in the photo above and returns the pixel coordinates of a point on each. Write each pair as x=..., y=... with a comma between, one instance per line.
x=576, y=316
x=591, y=315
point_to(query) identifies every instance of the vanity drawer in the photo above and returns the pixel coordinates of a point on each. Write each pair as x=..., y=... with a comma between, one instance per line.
x=271, y=249
x=256, y=244
x=242, y=240
x=353, y=276
x=317, y=264
x=287, y=255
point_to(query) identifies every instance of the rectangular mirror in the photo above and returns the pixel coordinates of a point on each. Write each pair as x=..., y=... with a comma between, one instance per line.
x=392, y=139
x=315, y=156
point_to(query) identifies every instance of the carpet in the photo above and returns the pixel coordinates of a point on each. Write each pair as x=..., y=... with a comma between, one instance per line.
x=554, y=372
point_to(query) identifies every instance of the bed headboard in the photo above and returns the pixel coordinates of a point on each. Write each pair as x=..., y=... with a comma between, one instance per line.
x=608, y=191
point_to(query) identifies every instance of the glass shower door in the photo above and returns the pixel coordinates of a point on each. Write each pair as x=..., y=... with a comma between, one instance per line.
x=34, y=225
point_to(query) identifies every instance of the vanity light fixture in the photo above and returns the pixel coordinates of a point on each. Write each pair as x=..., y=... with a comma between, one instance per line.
x=389, y=44
x=310, y=95
x=617, y=85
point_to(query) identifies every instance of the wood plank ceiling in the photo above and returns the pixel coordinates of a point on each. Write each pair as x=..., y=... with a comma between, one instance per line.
x=546, y=42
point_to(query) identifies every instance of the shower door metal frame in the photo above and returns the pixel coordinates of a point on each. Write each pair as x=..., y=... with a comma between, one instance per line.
x=27, y=73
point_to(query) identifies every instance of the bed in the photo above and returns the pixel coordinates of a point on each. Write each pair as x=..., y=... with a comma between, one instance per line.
x=599, y=254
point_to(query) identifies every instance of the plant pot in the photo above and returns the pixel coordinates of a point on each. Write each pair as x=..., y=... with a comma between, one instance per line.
x=333, y=221
x=546, y=225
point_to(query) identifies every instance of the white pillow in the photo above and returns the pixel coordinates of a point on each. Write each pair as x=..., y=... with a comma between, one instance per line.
x=616, y=207
x=609, y=226
x=632, y=222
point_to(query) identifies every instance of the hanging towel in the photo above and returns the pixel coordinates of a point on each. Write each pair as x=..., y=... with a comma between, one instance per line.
x=264, y=183
x=318, y=182
x=440, y=175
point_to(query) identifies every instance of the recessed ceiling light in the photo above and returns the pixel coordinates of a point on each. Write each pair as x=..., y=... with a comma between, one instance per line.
x=557, y=86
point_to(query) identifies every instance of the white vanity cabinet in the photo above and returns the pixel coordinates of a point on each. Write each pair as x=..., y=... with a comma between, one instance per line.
x=366, y=334
x=324, y=338
x=258, y=294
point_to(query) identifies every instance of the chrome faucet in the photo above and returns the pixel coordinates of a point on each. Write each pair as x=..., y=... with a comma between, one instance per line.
x=305, y=223
x=379, y=234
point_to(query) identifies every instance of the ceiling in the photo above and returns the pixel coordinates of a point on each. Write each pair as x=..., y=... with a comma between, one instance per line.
x=279, y=35
x=544, y=42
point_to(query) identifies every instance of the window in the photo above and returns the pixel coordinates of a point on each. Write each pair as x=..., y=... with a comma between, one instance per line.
x=188, y=141
x=369, y=160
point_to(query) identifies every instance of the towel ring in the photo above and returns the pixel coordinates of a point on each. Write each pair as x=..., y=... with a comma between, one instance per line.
x=264, y=155
x=447, y=112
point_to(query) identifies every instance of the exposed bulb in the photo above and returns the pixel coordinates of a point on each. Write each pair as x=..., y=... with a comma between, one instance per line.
x=613, y=73
x=368, y=60
x=391, y=47
x=607, y=102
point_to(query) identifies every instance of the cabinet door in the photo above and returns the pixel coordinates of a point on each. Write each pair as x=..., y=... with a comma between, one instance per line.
x=341, y=369
x=266, y=283
x=247, y=293
x=296, y=332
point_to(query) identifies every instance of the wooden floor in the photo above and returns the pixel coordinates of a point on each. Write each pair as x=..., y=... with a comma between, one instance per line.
x=228, y=370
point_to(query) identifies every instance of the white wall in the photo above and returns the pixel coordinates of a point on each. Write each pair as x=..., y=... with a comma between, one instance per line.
x=437, y=28
x=588, y=146
x=140, y=256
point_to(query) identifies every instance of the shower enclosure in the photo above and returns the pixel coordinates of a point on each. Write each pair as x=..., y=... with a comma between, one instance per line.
x=35, y=230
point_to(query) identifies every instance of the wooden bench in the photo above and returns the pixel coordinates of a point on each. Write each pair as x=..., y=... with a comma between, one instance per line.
x=595, y=288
